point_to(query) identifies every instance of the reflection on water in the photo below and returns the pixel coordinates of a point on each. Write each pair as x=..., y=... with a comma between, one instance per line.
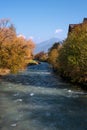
x=38, y=100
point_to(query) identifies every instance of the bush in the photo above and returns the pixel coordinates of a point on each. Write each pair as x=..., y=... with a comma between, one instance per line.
x=73, y=55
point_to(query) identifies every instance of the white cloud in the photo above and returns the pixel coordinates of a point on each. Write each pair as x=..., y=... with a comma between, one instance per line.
x=58, y=31
x=20, y=35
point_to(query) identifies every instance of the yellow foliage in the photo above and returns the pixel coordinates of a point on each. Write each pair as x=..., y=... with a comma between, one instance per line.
x=13, y=50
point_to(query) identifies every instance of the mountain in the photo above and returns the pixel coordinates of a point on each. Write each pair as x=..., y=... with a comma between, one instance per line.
x=45, y=45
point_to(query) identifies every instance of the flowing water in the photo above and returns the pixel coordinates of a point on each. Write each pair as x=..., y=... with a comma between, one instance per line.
x=37, y=99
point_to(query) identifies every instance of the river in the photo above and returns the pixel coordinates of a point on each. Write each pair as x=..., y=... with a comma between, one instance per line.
x=37, y=99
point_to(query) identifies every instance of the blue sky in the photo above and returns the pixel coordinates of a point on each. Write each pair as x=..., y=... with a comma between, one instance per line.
x=43, y=19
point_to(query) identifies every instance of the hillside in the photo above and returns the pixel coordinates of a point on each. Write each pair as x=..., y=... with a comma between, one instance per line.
x=45, y=45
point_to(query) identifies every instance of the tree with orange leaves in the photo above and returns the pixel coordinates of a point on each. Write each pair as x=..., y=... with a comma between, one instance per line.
x=13, y=50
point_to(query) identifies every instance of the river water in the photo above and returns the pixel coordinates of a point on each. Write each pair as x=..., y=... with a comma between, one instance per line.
x=37, y=99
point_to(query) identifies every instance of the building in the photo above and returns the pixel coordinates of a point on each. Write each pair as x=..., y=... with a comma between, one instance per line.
x=72, y=26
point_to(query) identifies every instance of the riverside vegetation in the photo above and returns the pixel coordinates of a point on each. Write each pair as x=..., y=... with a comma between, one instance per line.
x=69, y=59
x=15, y=51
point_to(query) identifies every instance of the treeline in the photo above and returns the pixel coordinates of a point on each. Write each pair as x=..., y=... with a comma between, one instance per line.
x=69, y=59
x=41, y=56
x=15, y=51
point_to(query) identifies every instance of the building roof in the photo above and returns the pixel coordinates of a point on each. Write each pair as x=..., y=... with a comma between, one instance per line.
x=72, y=26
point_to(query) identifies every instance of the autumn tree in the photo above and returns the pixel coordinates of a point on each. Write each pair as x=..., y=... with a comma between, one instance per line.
x=13, y=50
x=73, y=55
x=53, y=55
x=7, y=31
x=41, y=56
